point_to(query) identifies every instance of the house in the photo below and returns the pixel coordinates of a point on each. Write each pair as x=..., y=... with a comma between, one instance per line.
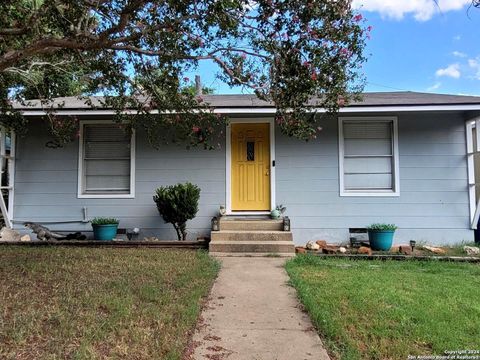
x=401, y=157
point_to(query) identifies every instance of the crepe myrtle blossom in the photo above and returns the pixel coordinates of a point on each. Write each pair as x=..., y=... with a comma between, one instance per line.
x=138, y=55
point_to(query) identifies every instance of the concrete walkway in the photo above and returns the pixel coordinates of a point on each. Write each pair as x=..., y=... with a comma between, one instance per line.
x=253, y=314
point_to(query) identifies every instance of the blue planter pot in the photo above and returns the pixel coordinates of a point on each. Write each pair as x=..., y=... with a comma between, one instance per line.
x=381, y=239
x=104, y=232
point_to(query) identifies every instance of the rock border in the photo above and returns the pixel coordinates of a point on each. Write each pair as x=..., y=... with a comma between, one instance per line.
x=465, y=259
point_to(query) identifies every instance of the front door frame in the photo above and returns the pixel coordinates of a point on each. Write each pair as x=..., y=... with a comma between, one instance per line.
x=228, y=165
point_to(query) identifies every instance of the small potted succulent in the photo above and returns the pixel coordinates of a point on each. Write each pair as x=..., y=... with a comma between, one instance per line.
x=380, y=236
x=104, y=228
x=278, y=211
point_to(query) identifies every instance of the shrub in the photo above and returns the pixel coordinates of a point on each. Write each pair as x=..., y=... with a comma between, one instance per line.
x=104, y=221
x=177, y=204
x=381, y=227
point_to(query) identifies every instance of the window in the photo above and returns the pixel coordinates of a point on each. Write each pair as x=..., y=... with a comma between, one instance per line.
x=368, y=156
x=106, y=161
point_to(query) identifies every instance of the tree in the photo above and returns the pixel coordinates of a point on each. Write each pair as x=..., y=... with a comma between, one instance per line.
x=177, y=204
x=137, y=52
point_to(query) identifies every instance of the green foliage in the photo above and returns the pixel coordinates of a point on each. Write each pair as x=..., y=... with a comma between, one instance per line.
x=177, y=204
x=104, y=221
x=380, y=227
x=138, y=54
x=192, y=90
x=389, y=309
x=281, y=208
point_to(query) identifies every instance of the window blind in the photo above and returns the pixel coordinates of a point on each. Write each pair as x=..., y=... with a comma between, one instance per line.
x=368, y=155
x=106, y=158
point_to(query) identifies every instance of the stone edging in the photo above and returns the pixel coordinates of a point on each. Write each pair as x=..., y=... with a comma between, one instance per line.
x=467, y=259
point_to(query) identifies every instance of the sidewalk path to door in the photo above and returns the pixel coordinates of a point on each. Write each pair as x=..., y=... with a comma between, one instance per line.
x=252, y=313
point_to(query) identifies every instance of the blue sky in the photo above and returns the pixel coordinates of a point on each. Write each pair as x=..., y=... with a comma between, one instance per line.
x=415, y=45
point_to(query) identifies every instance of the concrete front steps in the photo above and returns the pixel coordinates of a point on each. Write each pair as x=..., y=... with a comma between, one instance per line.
x=239, y=236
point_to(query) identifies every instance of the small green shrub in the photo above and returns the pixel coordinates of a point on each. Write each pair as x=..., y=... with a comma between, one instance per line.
x=104, y=221
x=381, y=227
x=177, y=204
x=281, y=208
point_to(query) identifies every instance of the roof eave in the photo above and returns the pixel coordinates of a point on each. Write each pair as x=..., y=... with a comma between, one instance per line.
x=272, y=110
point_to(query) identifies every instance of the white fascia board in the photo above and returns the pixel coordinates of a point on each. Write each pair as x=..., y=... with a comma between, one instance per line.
x=269, y=110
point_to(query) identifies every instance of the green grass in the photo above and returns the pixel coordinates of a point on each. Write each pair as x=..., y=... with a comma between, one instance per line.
x=389, y=310
x=86, y=303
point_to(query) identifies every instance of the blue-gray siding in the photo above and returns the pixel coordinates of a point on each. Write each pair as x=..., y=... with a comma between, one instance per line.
x=432, y=206
x=46, y=185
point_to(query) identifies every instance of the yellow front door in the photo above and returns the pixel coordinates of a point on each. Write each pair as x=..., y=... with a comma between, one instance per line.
x=250, y=167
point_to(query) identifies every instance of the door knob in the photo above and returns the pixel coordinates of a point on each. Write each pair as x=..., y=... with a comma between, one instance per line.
x=267, y=173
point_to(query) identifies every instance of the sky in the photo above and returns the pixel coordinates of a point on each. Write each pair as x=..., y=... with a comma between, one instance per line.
x=415, y=45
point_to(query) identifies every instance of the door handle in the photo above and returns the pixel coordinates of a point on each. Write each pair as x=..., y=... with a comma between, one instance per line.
x=267, y=173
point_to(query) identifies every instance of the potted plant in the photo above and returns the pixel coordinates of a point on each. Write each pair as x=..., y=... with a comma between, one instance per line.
x=380, y=236
x=104, y=228
x=278, y=211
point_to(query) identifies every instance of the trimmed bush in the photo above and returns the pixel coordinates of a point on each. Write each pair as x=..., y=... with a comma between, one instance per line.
x=177, y=204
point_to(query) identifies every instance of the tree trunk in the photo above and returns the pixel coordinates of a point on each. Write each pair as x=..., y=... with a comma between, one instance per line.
x=177, y=229
x=183, y=229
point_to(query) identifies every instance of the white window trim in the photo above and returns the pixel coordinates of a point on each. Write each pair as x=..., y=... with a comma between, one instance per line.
x=396, y=173
x=80, y=194
x=471, y=151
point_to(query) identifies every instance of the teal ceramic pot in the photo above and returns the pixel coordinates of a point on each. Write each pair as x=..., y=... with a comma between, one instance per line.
x=381, y=239
x=104, y=232
x=275, y=214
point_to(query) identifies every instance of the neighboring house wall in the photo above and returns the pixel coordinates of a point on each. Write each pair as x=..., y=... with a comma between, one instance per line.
x=46, y=185
x=432, y=206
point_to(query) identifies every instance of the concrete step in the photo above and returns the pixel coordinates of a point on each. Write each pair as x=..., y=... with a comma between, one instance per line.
x=255, y=236
x=250, y=254
x=283, y=247
x=254, y=224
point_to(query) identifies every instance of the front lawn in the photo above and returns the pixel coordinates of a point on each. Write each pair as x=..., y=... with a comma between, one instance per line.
x=90, y=303
x=389, y=310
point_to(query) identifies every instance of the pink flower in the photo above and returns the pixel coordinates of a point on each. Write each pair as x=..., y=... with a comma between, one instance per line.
x=186, y=79
x=195, y=129
x=369, y=28
x=358, y=17
x=314, y=76
x=244, y=56
x=306, y=64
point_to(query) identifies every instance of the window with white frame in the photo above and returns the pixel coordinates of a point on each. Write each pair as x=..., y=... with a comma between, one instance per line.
x=368, y=158
x=106, y=163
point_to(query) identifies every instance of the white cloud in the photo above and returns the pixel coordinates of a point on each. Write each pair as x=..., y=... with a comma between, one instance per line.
x=452, y=71
x=434, y=86
x=474, y=64
x=459, y=54
x=421, y=10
